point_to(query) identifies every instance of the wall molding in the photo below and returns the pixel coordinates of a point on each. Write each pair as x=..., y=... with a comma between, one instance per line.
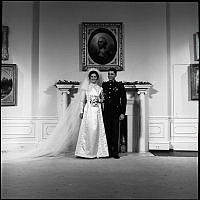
x=184, y=134
x=165, y=132
x=20, y=132
x=159, y=132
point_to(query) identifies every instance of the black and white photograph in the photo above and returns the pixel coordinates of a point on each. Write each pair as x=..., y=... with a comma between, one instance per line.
x=99, y=100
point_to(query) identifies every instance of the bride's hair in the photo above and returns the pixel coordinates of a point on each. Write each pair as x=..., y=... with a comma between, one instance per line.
x=93, y=72
x=85, y=82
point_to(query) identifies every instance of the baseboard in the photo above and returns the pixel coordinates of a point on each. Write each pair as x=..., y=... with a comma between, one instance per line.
x=159, y=146
x=174, y=153
x=185, y=146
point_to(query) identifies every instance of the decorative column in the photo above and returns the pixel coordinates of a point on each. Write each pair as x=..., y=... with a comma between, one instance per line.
x=64, y=91
x=143, y=92
x=131, y=116
x=137, y=95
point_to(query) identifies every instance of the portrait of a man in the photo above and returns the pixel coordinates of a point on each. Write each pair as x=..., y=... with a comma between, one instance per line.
x=102, y=46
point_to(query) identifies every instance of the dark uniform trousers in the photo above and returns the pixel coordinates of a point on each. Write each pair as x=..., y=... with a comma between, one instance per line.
x=111, y=123
x=114, y=105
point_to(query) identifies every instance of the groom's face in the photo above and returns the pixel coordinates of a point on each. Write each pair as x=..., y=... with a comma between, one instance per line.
x=111, y=75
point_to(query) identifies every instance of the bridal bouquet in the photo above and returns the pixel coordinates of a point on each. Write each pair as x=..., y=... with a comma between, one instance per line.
x=94, y=100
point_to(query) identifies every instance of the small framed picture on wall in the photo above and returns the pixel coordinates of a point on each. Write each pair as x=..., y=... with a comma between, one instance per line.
x=101, y=45
x=4, y=52
x=194, y=82
x=8, y=84
x=196, y=46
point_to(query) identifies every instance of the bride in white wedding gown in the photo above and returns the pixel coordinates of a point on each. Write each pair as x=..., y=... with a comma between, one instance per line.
x=92, y=138
x=81, y=131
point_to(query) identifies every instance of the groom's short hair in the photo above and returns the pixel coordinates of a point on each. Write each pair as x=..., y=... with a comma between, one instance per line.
x=113, y=69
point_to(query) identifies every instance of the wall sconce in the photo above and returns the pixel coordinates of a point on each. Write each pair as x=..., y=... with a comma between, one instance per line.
x=196, y=46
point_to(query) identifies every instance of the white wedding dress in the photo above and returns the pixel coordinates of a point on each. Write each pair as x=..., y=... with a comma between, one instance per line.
x=92, y=138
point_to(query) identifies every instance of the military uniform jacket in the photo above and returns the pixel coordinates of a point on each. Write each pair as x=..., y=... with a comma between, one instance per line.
x=114, y=98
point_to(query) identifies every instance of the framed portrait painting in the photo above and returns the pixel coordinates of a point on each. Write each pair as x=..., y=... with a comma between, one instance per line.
x=102, y=46
x=194, y=81
x=8, y=84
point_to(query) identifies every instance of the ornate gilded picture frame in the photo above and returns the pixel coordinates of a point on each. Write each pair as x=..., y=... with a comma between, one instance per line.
x=194, y=82
x=102, y=45
x=8, y=84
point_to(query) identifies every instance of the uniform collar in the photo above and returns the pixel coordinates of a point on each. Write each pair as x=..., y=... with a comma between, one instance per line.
x=113, y=81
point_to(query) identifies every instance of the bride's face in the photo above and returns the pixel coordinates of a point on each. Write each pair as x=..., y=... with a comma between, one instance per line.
x=93, y=78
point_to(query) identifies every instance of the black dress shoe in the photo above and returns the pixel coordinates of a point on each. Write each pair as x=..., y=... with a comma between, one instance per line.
x=110, y=155
x=116, y=156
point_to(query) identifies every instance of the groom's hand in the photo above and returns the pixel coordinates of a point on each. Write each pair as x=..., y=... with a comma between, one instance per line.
x=121, y=117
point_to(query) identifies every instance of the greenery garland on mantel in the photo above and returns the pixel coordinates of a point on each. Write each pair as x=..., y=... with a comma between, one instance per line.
x=136, y=83
x=65, y=82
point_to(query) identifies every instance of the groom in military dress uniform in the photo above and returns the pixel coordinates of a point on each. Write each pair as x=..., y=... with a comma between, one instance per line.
x=114, y=111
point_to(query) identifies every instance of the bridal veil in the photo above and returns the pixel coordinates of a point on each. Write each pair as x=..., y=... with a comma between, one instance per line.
x=63, y=139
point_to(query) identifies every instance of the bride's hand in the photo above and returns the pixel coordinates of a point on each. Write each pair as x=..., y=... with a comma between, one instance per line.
x=100, y=100
x=81, y=115
x=121, y=117
x=102, y=97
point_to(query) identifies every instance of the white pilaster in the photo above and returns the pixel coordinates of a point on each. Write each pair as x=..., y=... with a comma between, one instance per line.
x=143, y=91
x=144, y=133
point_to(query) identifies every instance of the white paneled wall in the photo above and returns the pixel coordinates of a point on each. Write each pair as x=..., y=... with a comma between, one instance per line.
x=184, y=134
x=176, y=134
x=164, y=133
x=159, y=133
x=184, y=123
x=25, y=132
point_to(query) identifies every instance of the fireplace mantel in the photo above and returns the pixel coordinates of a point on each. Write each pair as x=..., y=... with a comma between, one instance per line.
x=65, y=90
